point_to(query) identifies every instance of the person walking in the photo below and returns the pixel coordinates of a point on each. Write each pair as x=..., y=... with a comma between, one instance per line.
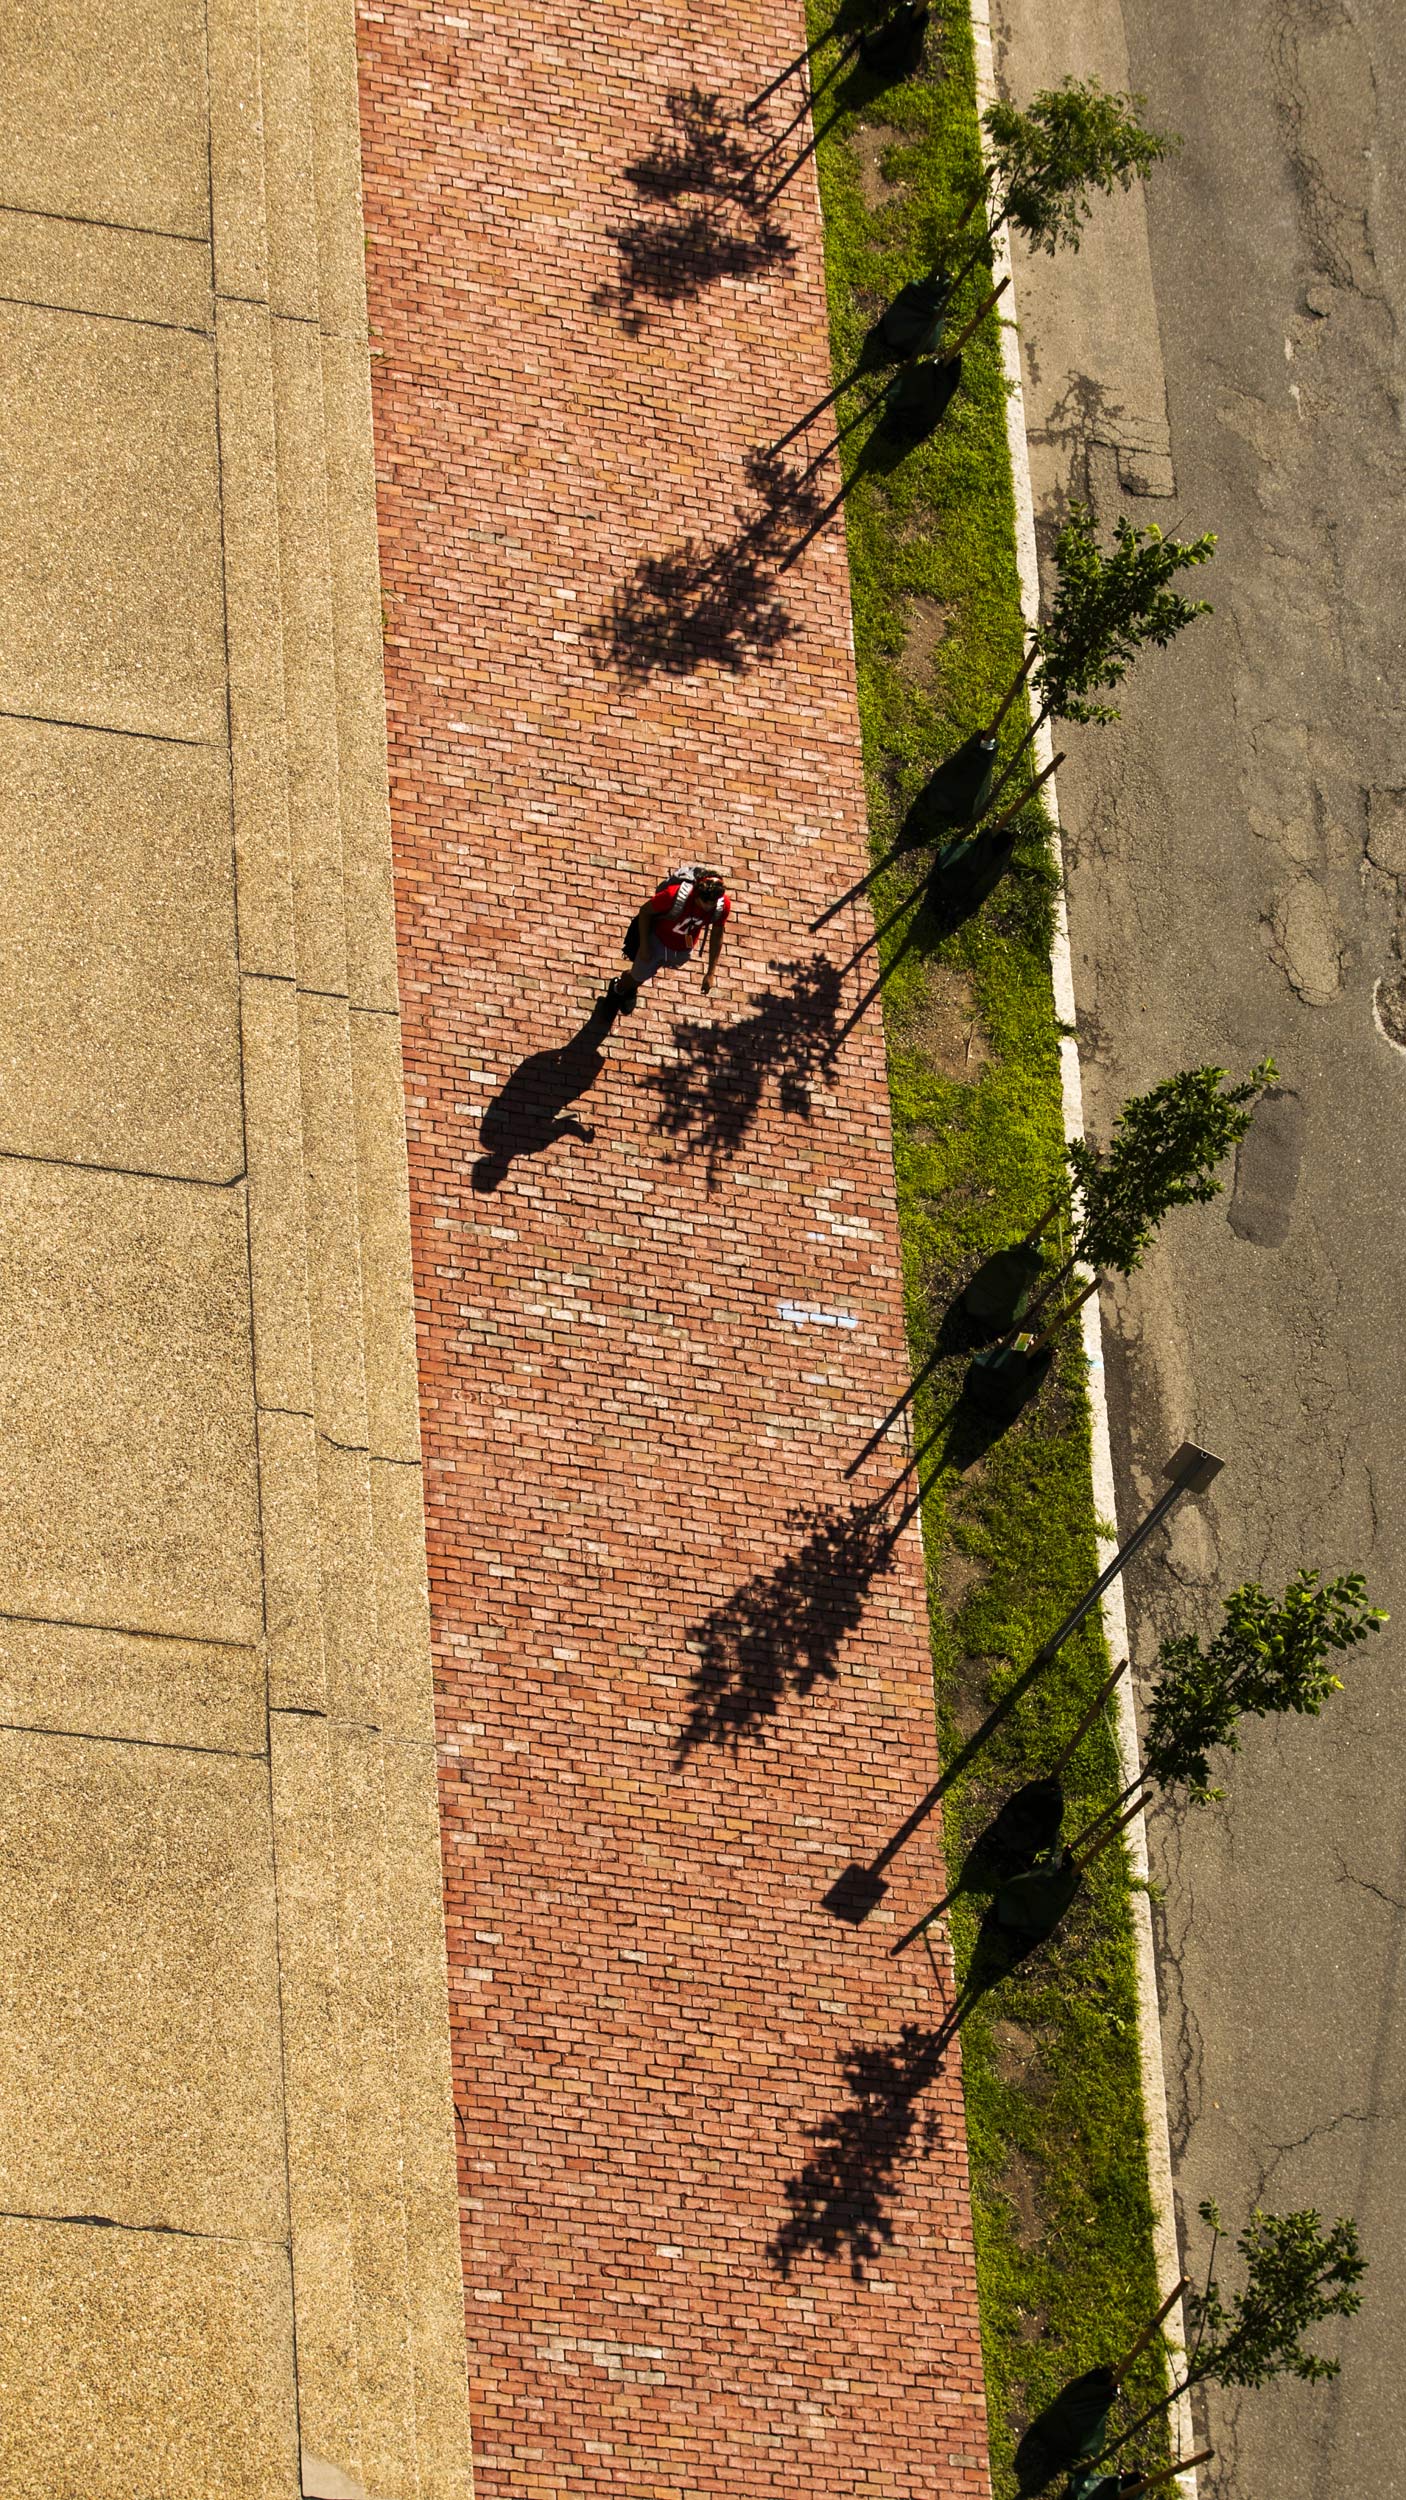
x=665, y=933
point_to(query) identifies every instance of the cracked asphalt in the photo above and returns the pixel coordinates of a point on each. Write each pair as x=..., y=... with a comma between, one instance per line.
x=1227, y=354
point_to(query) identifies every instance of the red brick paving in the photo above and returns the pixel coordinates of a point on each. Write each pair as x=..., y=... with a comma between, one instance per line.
x=650, y=2005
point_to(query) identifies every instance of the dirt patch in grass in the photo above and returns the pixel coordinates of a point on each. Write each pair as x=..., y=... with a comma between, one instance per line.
x=1020, y=2185
x=970, y=1707
x=960, y=1574
x=941, y=1022
x=872, y=142
x=925, y=627
x=1017, y=2051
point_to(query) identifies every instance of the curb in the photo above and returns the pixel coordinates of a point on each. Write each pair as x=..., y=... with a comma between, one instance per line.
x=1114, y=1612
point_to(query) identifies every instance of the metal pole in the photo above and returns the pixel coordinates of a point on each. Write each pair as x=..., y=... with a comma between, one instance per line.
x=1190, y=1470
x=861, y=1888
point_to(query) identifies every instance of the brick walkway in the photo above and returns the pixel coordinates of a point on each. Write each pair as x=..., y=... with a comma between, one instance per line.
x=640, y=1529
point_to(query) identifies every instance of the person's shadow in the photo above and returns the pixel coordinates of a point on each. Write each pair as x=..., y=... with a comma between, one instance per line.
x=531, y=1112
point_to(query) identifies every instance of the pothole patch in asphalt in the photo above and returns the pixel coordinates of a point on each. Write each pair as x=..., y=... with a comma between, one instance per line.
x=1301, y=936
x=1267, y=1169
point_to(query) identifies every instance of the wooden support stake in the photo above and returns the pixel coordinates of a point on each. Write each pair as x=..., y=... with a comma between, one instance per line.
x=1169, y=2473
x=1136, y=2350
x=975, y=322
x=1025, y=797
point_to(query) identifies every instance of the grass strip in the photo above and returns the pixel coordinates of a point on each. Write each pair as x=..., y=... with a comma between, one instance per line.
x=1062, y=2212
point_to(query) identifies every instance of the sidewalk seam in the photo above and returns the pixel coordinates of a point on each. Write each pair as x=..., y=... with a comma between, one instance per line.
x=1113, y=1608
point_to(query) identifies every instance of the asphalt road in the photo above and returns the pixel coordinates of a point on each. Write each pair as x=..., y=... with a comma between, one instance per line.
x=1237, y=856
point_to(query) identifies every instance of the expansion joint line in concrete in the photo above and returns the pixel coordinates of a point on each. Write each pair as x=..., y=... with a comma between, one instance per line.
x=104, y=728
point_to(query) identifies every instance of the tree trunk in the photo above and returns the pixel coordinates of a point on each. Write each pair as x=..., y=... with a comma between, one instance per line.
x=1008, y=768
x=1060, y=1277
x=1067, y=1313
x=973, y=203
x=1027, y=794
x=969, y=263
x=1117, y=1805
x=1169, y=2473
x=951, y=354
x=1110, y=1835
x=1052, y=1210
x=1015, y=685
x=1164, y=2404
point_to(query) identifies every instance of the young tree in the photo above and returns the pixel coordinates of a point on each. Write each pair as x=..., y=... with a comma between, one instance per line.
x=1069, y=140
x=1297, y=2274
x=1266, y=1658
x=1071, y=2432
x=1164, y=1151
x=1106, y=608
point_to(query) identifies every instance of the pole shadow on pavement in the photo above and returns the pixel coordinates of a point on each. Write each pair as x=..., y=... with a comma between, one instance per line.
x=877, y=58
x=1021, y=1830
x=853, y=18
x=958, y=1336
x=943, y=899
x=860, y=1889
x=951, y=798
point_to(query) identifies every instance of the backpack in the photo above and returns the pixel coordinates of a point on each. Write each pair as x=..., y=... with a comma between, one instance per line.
x=685, y=879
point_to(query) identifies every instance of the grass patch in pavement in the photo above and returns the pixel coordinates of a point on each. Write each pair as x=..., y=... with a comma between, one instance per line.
x=1054, y=2113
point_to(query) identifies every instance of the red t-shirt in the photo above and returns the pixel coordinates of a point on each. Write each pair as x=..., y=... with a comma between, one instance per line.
x=681, y=934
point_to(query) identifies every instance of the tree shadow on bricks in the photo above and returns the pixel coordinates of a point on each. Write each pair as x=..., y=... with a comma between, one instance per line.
x=958, y=1335
x=697, y=602
x=841, y=2201
x=781, y=1632
x=711, y=221
x=530, y=1114
x=710, y=1094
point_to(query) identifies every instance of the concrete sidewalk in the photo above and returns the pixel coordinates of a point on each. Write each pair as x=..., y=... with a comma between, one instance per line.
x=681, y=1681
x=228, y=2261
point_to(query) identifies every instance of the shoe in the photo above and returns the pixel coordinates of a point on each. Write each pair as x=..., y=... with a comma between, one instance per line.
x=626, y=994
